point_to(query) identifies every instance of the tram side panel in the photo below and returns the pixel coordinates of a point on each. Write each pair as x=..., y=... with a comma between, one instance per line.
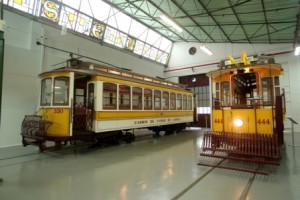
x=116, y=119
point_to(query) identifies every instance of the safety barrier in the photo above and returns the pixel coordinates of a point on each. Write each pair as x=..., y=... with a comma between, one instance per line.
x=260, y=148
x=34, y=130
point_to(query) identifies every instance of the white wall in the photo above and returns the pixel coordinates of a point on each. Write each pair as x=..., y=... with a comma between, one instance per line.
x=182, y=64
x=24, y=60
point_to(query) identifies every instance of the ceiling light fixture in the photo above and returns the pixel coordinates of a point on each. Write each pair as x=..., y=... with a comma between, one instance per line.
x=206, y=50
x=297, y=51
x=172, y=23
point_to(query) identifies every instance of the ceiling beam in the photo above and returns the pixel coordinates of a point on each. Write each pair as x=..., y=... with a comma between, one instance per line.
x=266, y=20
x=239, y=21
x=212, y=17
x=158, y=8
x=250, y=23
x=194, y=21
x=296, y=36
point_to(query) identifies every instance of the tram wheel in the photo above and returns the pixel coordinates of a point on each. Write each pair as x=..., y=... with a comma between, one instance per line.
x=129, y=137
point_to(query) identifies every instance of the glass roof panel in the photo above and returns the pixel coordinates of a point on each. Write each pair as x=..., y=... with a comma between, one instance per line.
x=72, y=3
x=138, y=30
x=68, y=17
x=119, y=20
x=153, y=38
x=166, y=45
x=95, y=8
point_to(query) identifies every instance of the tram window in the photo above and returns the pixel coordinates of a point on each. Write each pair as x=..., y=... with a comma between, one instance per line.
x=179, y=102
x=277, y=91
x=61, y=91
x=165, y=100
x=217, y=85
x=137, y=98
x=91, y=96
x=79, y=96
x=124, y=97
x=225, y=92
x=109, y=96
x=267, y=90
x=172, y=101
x=157, y=100
x=46, y=92
x=277, y=86
x=184, y=102
x=276, y=80
x=217, y=91
x=189, y=102
x=147, y=99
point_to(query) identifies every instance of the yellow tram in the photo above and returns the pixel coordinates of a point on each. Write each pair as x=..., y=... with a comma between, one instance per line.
x=89, y=102
x=248, y=109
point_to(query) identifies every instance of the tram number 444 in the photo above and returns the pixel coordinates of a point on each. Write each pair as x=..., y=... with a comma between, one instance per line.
x=263, y=121
x=58, y=110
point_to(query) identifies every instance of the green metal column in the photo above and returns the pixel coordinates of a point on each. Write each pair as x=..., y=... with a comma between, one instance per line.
x=1, y=68
x=1, y=61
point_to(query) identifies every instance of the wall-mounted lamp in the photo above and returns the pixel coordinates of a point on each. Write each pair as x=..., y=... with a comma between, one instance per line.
x=297, y=51
x=172, y=23
x=206, y=50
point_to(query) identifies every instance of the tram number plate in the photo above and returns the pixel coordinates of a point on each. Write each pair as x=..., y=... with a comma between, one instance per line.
x=58, y=110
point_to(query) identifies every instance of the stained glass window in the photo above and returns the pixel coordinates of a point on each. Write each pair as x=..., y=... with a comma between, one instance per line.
x=97, y=30
x=164, y=58
x=84, y=24
x=120, y=39
x=68, y=17
x=146, y=50
x=50, y=10
x=130, y=43
x=91, y=18
x=153, y=53
x=110, y=35
x=24, y=5
x=139, y=47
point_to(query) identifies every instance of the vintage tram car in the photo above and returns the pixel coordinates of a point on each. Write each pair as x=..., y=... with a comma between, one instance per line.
x=248, y=110
x=89, y=102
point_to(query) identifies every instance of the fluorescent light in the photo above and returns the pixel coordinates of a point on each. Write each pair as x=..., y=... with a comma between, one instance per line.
x=206, y=50
x=297, y=51
x=173, y=24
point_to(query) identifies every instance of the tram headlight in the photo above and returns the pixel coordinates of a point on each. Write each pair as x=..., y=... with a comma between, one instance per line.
x=238, y=122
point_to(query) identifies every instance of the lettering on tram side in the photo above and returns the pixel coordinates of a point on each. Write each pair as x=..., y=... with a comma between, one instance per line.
x=141, y=122
x=160, y=120
x=152, y=121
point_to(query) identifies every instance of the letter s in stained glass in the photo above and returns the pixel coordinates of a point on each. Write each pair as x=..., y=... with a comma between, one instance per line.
x=50, y=10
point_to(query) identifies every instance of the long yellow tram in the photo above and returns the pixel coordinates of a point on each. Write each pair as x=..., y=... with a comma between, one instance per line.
x=89, y=102
x=248, y=109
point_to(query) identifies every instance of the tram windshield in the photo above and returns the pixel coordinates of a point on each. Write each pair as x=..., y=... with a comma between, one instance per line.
x=55, y=91
x=244, y=88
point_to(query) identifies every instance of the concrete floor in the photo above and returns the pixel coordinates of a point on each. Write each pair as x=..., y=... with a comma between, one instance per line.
x=162, y=168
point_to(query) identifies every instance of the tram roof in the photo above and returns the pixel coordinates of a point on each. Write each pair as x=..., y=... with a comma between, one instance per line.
x=92, y=69
x=218, y=72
